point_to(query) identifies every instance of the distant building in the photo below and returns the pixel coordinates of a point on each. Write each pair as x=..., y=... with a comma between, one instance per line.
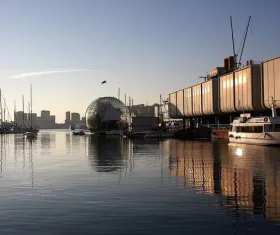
x=46, y=121
x=52, y=119
x=20, y=119
x=32, y=119
x=142, y=110
x=75, y=118
x=67, y=117
x=45, y=114
x=162, y=111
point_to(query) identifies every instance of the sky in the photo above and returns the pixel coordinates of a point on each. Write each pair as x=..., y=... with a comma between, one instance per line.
x=66, y=48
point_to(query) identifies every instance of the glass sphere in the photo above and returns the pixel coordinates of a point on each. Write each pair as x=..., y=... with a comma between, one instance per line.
x=107, y=113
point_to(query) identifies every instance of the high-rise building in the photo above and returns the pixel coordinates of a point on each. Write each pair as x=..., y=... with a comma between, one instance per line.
x=20, y=119
x=32, y=121
x=67, y=118
x=75, y=118
x=45, y=114
x=52, y=119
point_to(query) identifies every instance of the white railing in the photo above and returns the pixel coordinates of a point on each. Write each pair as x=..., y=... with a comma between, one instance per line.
x=216, y=126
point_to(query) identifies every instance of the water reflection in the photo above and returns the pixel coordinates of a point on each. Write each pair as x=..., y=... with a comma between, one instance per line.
x=2, y=153
x=108, y=154
x=45, y=139
x=30, y=155
x=68, y=142
x=246, y=177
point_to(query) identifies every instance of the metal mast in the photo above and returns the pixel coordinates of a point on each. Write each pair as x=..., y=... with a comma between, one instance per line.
x=233, y=44
x=23, y=110
x=244, y=39
x=1, y=106
x=31, y=106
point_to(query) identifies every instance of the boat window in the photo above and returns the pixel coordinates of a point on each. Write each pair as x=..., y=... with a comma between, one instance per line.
x=272, y=127
x=277, y=128
x=268, y=128
x=250, y=129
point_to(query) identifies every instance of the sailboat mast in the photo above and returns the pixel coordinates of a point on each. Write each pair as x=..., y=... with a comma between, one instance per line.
x=1, y=106
x=31, y=105
x=29, y=109
x=23, y=110
x=15, y=113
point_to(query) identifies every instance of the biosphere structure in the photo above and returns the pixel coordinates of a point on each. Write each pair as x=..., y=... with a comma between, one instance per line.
x=107, y=113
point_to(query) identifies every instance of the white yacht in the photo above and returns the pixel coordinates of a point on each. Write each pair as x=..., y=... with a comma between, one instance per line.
x=256, y=130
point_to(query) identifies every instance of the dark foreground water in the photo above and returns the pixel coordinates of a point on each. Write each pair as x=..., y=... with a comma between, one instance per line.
x=64, y=184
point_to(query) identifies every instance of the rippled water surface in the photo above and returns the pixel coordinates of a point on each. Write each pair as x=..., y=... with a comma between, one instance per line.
x=64, y=184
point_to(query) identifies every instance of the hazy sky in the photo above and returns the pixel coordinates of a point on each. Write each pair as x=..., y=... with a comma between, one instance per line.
x=147, y=47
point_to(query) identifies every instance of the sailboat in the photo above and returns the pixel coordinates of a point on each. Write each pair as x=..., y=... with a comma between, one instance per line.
x=31, y=133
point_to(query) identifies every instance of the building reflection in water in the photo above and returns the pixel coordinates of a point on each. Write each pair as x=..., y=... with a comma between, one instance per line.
x=45, y=139
x=68, y=142
x=109, y=154
x=246, y=177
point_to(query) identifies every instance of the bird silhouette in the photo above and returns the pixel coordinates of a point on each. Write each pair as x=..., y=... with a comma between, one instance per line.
x=103, y=82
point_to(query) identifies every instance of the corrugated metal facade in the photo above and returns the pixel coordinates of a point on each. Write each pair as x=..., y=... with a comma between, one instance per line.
x=172, y=105
x=227, y=93
x=248, y=84
x=207, y=97
x=180, y=103
x=197, y=100
x=243, y=89
x=271, y=82
x=188, y=111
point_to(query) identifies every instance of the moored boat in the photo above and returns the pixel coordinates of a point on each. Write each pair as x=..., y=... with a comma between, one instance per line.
x=81, y=132
x=256, y=130
x=30, y=134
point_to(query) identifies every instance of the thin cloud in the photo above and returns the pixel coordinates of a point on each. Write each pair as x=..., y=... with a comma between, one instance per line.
x=38, y=73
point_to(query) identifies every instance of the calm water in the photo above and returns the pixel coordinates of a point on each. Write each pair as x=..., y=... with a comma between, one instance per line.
x=64, y=184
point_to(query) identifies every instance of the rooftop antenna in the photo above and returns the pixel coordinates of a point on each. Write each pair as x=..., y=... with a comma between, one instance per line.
x=245, y=37
x=233, y=43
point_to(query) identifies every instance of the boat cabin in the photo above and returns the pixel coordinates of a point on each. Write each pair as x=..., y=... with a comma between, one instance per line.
x=247, y=124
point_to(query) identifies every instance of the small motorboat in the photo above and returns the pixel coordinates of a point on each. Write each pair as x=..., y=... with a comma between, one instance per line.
x=30, y=134
x=81, y=132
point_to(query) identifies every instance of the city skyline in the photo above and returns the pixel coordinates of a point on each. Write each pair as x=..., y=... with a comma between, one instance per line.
x=66, y=49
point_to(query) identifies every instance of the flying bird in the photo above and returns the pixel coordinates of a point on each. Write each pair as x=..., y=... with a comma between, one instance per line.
x=103, y=82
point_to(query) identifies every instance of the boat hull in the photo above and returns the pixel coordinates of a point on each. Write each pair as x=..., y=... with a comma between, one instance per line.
x=30, y=134
x=265, y=139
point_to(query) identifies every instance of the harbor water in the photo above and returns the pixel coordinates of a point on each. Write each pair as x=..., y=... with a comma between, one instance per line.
x=65, y=184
